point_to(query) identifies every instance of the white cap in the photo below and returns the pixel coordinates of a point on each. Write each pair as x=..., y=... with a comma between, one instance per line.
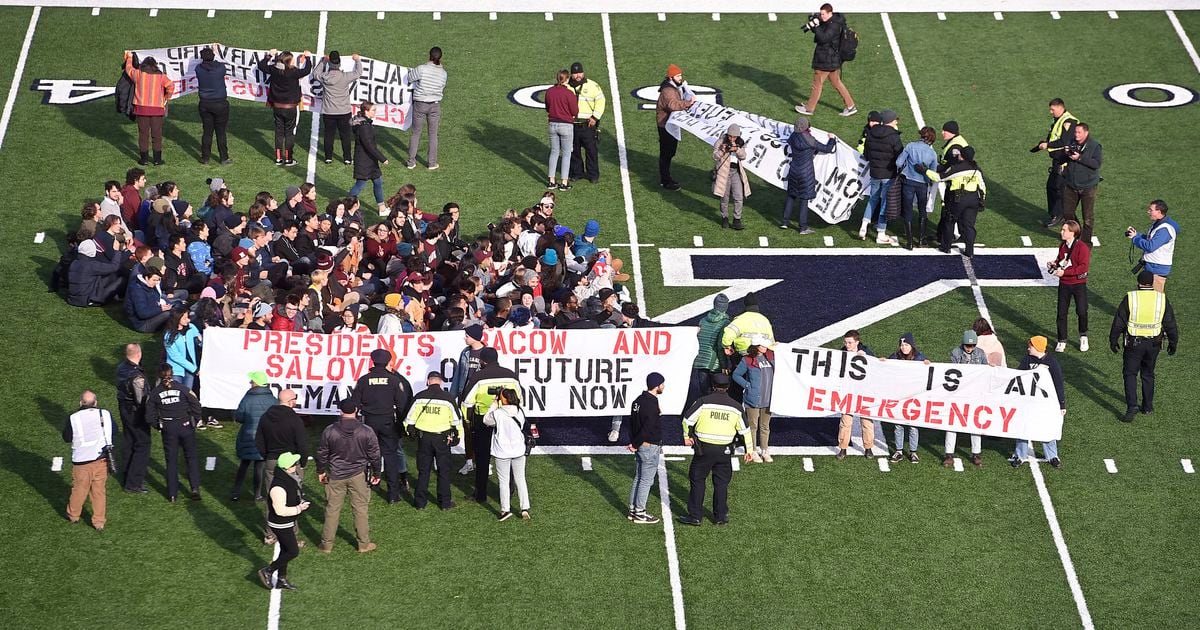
x=88, y=248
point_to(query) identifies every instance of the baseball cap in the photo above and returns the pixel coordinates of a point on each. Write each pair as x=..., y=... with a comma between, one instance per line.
x=287, y=460
x=258, y=377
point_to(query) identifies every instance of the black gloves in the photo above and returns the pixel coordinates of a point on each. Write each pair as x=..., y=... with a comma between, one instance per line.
x=1171, y=349
x=1115, y=347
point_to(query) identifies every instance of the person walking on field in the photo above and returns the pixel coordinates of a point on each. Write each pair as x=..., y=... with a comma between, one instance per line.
x=284, y=98
x=284, y=503
x=336, y=101
x=827, y=61
x=562, y=106
x=429, y=83
x=367, y=156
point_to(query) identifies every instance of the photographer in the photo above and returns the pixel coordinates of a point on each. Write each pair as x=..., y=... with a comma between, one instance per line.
x=729, y=175
x=509, y=448
x=90, y=433
x=826, y=27
x=1081, y=176
x=1158, y=243
x=479, y=393
x=1071, y=268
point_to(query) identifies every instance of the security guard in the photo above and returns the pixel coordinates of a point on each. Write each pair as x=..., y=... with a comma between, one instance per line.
x=435, y=420
x=175, y=411
x=481, y=389
x=953, y=141
x=736, y=336
x=131, y=403
x=383, y=397
x=711, y=427
x=1063, y=123
x=965, y=195
x=587, y=130
x=1143, y=316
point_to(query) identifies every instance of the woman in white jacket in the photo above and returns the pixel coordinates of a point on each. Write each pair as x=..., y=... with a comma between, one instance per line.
x=508, y=447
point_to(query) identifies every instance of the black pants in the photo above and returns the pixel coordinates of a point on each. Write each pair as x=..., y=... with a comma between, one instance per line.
x=584, y=154
x=288, y=550
x=482, y=436
x=712, y=459
x=339, y=123
x=175, y=435
x=1086, y=198
x=432, y=447
x=214, y=116
x=667, y=144
x=285, y=128
x=136, y=440
x=962, y=215
x=240, y=478
x=1054, y=191
x=1140, y=357
x=389, y=447
x=1067, y=292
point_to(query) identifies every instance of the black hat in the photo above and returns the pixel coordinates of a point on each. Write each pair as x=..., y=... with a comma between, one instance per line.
x=874, y=116
x=720, y=380
x=576, y=67
x=606, y=293
x=474, y=331
x=654, y=379
x=489, y=356
x=968, y=153
x=751, y=299
x=1145, y=278
x=380, y=356
x=951, y=126
x=335, y=58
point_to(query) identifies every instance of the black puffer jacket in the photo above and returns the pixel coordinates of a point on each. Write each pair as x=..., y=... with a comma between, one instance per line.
x=366, y=155
x=883, y=147
x=827, y=55
x=285, y=81
x=124, y=93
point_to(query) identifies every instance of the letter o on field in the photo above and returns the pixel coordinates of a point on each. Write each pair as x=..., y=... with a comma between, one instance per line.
x=1174, y=95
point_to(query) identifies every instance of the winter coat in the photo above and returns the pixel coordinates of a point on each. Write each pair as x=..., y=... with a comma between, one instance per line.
x=827, y=56
x=181, y=352
x=285, y=82
x=711, y=356
x=883, y=147
x=89, y=276
x=509, y=439
x=724, y=164
x=124, y=94
x=141, y=302
x=802, y=176
x=366, y=155
x=336, y=84
x=281, y=430
x=756, y=376
x=210, y=80
x=250, y=410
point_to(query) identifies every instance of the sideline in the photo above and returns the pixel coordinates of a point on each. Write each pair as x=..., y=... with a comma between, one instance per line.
x=668, y=521
x=1187, y=43
x=18, y=73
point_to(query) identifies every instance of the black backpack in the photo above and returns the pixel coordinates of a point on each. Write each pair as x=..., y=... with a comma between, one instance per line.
x=848, y=45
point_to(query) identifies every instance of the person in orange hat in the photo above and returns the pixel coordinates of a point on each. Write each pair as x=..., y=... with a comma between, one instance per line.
x=673, y=95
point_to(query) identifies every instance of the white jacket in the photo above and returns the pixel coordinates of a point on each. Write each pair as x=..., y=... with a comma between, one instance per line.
x=509, y=439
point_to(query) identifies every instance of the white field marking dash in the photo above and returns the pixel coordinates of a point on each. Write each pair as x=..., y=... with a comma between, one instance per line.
x=39, y=237
x=918, y=118
x=998, y=15
x=322, y=27
x=1055, y=16
x=379, y=15
x=1095, y=241
x=18, y=73
x=210, y=463
x=587, y=463
x=1113, y=15
x=1111, y=466
x=675, y=459
x=808, y=464
x=212, y=13
x=437, y=16
x=883, y=464
x=276, y=600
x=736, y=463
x=267, y=15
x=1061, y=544
x=635, y=256
x=958, y=467
x=95, y=11
x=1183, y=37
x=828, y=241
x=1025, y=240
x=662, y=17
x=771, y=17
x=549, y=16
x=697, y=241
x=664, y=496
x=631, y=245
x=763, y=242
x=492, y=16
x=716, y=17
x=941, y=16
x=153, y=12
x=1187, y=466
x=56, y=464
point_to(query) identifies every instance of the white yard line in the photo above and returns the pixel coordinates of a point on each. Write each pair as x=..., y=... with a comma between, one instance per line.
x=17, y=74
x=311, y=175
x=668, y=521
x=614, y=93
x=1060, y=543
x=276, y=600
x=1183, y=37
x=918, y=118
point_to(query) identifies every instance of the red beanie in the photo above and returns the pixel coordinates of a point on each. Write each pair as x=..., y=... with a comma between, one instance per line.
x=673, y=70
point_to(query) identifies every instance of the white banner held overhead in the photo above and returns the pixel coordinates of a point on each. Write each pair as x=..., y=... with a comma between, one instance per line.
x=563, y=372
x=841, y=175
x=981, y=399
x=385, y=84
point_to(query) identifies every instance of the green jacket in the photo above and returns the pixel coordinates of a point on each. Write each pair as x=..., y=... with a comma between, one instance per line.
x=712, y=355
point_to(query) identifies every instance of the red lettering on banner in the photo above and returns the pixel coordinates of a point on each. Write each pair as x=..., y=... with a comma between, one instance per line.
x=931, y=410
x=816, y=399
x=274, y=342
x=641, y=342
x=841, y=403
x=364, y=344
x=621, y=346
x=314, y=343
x=911, y=410
x=864, y=405
x=251, y=337
x=293, y=342
x=425, y=345
x=885, y=408
x=960, y=412
x=558, y=342
x=274, y=365
x=1006, y=415
x=649, y=342
x=983, y=425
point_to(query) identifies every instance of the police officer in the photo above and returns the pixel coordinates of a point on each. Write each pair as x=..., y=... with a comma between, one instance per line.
x=1062, y=124
x=435, y=420
x=383, y=397
x=953, y=140
x=481, y=389
x=1143, y=317
x=175, y=411
x=584, y=160
x=965, y=195
x=737, y=334
x=711, y=427
x=131, y=403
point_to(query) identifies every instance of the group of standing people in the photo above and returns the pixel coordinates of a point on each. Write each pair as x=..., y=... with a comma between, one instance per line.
x=574, y=107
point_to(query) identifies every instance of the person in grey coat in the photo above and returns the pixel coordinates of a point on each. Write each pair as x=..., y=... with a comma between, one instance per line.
x=336, y=101
x=255, y=402
x=967, y=353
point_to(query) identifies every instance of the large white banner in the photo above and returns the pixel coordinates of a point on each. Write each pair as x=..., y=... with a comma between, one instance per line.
x=995, y=401
x=562, y=372
x=841, y=175
x=385, y=84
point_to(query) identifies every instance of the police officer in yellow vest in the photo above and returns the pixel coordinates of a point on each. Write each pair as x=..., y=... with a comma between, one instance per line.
x=481, y=389
x=436, y=423
x=953, y=141
x=1143, y=317
x=966, y=192
x=736, y=336
x=1063, y=123
x=712, y=427
x=584, y=158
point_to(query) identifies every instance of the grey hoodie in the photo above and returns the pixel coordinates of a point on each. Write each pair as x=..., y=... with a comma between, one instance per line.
x=336, y=84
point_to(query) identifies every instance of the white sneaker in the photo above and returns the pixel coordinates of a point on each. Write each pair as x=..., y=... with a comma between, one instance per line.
x=756, y=458
x=766, y=456
x=802, y=111
x=1083, y=343
x=849, y=111
x=467, y=468
x=884, y=239
x=1060, y=346
x=862, y=229
x=613, y=436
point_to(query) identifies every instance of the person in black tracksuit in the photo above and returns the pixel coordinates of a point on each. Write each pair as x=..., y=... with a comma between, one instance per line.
x=284, y=98
x=131, y=399
x=383, y=396
x=176, y=412
x=214, y=105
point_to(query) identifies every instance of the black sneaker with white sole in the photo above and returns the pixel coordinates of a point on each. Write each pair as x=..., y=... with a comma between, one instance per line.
x=645, y=518
x=504, y=516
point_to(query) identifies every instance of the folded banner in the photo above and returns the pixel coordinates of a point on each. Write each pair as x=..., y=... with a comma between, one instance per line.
x=995, y=401
x=562, y=372
x=841, y=175
x=383, y=83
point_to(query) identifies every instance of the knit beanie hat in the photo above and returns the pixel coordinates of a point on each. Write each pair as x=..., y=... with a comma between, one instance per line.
x=673, y=70
x=721, y=302
x=951, y=126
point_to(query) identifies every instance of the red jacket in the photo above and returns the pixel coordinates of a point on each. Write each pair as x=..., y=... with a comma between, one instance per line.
x=1081, y=259
x=282, y=322
x=562, y=106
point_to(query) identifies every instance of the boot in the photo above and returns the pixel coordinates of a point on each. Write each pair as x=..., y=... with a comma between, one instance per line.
x=143, y=158
x=908, y=243
x=921, y=236
x=158, y=161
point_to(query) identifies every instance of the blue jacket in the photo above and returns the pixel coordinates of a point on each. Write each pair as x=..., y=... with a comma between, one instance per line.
x=1161, y=237
x=250, y=410
x=915, y=159
x=141, y=302
x=583, y=248
x=802, y=177
x=756, y=377
x=202, y=257
x=210, y=78
x=181, y=353
x=91, y=279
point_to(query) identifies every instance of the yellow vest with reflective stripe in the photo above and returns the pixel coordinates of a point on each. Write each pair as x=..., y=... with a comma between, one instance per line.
x=591, y=99
x=739, y=331
x=433, y=415
x=956, y=141
x=1057, y=128
x=1146, y=310
x=718, y=424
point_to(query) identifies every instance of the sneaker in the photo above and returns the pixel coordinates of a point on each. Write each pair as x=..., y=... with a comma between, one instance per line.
x=325, y=548
x=724, y=223
x=671, y=185
x=767, y=457
x=977, y=460
x=1014, y=462
x=868, y=453
x=525, y=515
x=1060, y=346
x=195, y=496
x=807, y=231
x=504, y=516
x=841, y=454
x=687, y=520
x=756, y=458
x=289, y=163
x=283, y=584
x=347, y=162
x=278, y=162
x=367, y=548
x=1056, y=463
x=645, y=518
x=898, y=456
x=632, y=512
x=1053, y=223
x=862, y=229
x=885, y=239
x=737, y=225
x=613, y=436
x=1130, y=415
x=410, y=166
x=212, y=422
x=1083, y=343
x=449, y=506
x=948, y=461
x=564, y=187
x=434, y=167
x=849, y=111
x=329, y=160
x=264, y=576
x=913, y=459
x=467, y=468
x=783, y=226
x=226, y=161
x=803, y=111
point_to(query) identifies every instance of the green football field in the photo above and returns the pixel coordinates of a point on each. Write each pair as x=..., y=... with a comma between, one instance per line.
x=845, y=545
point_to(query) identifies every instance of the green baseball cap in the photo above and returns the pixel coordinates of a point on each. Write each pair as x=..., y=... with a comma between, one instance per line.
x=287, y=460
x=259, y=378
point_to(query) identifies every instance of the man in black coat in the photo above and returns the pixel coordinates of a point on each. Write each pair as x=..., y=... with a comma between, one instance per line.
x=131, y=397
x=883, y=146
x=367, y=156
x=384, y=397
x=827, y=28
x=93, y=280
x=280, y=430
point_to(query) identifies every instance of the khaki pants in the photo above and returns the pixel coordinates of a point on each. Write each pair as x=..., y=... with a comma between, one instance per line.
x=868, y=431
x=360, y=496
x=1160, y=283
x=835, y=78
x=87, y=482
x=760, y=426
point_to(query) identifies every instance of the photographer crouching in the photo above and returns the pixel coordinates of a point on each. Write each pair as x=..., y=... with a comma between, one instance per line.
x=827, y=28
x=729, y=175
x=90, y=433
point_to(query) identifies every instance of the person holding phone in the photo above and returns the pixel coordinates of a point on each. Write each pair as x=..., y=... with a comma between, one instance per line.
x=508, y=447
x=285, y=503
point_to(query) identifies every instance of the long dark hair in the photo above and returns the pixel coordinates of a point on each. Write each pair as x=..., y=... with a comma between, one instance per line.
x=171, y=331
x=149, y=65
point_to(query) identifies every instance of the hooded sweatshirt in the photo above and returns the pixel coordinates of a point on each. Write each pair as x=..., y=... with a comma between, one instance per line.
x=280, y=430
x=336, y=84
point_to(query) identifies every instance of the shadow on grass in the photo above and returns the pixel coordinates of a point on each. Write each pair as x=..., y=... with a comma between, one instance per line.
x=523, y=150
x=779, y=85
x=34, y=469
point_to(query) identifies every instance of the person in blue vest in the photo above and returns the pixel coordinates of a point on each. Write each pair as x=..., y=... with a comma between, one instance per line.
x=1157, y=243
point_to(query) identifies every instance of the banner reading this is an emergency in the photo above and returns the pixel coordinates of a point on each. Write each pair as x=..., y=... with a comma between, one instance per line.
x=562, y=372
x=385, y=84
x=995, y=401
x=841, y=175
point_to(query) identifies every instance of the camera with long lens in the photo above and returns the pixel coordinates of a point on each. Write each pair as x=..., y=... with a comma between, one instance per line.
x=106, y=452
x=814, y=21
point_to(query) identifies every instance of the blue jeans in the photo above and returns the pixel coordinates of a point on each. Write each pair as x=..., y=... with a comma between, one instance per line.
x=913, y=193
x=562, y=139
x=643, y=478
x=187, y=380
x=376, y=183
x=877, y=203
x=787, y=211
x=1025, y=450
x=898, y=437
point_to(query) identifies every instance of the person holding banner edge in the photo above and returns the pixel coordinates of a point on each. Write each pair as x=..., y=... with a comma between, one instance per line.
x=1036, y=355
x=284, y=97
x=336, y=101
x=802, y=178
x=852, y=343
x=967, y=353
x=674, y=95
x=906, y=351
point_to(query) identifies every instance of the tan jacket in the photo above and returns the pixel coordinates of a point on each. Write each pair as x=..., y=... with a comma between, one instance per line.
x=722, y=167
x=668, y=101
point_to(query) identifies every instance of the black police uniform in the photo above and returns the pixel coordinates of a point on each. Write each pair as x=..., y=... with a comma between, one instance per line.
x=440, y=407
x=131, y=398
x=383, y=396
x=1141, y=354
x=176, y=411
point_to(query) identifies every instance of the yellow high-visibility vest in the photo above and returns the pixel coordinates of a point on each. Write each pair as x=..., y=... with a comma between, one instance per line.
x=1146, y=310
